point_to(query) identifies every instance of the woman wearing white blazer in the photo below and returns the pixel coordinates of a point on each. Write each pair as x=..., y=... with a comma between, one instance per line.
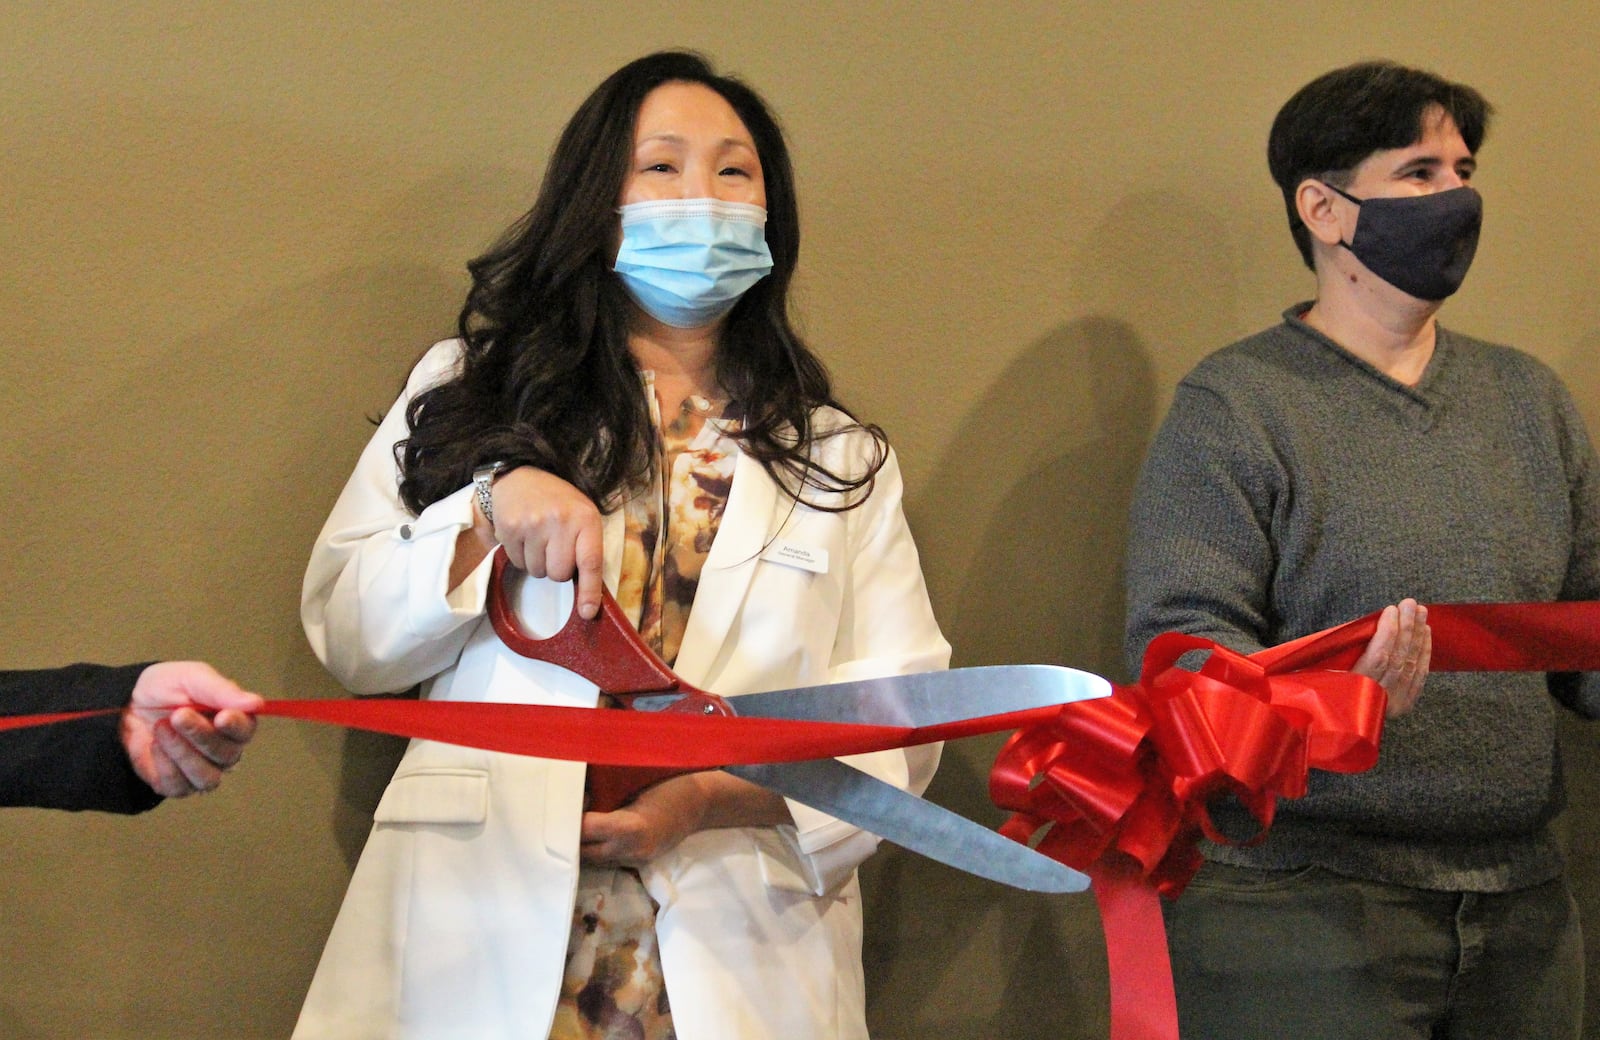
x=709, y=907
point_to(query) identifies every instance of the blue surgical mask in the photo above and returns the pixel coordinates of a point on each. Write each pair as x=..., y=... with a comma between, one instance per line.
x=686, y=262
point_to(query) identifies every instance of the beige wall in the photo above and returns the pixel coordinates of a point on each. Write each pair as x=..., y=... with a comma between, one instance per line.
x=226, y=235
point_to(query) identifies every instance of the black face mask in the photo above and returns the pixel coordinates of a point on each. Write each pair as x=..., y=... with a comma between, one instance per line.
x=1420, y=244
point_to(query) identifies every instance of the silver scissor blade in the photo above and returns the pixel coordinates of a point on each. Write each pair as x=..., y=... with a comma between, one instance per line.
x=927, y=698
x=912, y=823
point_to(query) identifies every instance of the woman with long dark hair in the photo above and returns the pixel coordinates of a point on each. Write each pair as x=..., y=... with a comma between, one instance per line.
x=626, y=402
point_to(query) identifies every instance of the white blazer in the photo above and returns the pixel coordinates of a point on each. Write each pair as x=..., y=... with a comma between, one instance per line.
x=456, y=921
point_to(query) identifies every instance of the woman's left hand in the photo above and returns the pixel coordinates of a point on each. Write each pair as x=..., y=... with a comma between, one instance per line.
x=666, y=813
x=659, y=818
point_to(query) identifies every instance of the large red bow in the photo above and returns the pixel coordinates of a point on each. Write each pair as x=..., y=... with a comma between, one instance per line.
x=1131, y=773
x=1118, y=787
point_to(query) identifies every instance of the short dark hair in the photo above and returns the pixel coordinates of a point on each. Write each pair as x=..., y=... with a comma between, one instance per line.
x=1341, y=117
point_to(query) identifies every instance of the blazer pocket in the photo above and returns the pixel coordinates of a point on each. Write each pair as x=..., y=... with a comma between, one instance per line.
x=436, y=796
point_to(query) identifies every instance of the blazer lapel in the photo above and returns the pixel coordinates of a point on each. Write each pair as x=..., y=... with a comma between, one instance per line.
x=752, y=517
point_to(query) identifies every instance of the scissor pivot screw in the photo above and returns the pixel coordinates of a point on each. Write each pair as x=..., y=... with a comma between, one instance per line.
x=709, y=709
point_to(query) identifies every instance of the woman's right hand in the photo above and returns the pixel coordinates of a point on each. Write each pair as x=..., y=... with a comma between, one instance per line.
x=548, y=528
x=551, y=530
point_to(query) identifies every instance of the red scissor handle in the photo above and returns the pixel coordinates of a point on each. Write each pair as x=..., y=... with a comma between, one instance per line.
x=606, y=651
x=609, y=653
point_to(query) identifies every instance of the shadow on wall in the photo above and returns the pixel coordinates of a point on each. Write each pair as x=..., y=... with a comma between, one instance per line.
x=1032, y=499
x=296, y=419
x=275, y=433
x=1580, y=738
x=347, y=342
x=206, y=328
x=1022, y=529
x=1042, y=542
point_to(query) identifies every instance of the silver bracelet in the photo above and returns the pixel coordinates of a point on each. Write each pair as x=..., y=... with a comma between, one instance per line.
x=483, y=485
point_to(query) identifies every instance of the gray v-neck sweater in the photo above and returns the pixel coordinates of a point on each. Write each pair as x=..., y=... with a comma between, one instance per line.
x=1294, y=487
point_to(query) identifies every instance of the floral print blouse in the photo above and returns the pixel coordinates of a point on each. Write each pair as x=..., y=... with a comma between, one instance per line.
x=613, y=987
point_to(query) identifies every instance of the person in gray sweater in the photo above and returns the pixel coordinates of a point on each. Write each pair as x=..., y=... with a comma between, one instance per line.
x=1355, y=456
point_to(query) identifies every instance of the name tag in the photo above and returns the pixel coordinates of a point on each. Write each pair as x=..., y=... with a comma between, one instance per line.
x=806, y=557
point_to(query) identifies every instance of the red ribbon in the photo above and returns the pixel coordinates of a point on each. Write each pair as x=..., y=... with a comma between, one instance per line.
x=1122, y=781
x=1118, y=787
x=628, y=738
x=29, y=721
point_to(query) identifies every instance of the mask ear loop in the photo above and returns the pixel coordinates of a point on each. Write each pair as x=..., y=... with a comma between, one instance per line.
x=1348, y=197
x=1340, y=191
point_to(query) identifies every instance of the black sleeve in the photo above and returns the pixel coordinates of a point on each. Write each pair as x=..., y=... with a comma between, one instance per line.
x=70, y=765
